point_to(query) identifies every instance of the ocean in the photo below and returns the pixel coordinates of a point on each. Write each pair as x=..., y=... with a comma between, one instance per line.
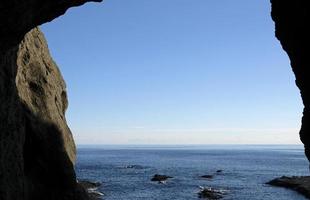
x=126, y=171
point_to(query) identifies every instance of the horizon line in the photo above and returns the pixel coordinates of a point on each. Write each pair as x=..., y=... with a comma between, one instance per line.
x=221, y=144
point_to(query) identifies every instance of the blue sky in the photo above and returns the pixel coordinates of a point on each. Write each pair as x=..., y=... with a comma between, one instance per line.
x=175, y=72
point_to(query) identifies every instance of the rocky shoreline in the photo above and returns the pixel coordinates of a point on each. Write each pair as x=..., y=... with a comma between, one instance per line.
x=300, y=184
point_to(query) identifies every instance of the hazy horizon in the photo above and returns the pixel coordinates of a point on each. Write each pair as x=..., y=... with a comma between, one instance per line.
x=175, y=72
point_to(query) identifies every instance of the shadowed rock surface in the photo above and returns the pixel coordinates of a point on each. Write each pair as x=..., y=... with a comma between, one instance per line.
x=300, y=184
x=37, y=151
x=292, y=29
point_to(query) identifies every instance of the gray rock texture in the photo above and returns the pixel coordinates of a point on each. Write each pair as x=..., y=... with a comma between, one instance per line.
x=37, y=148
x=37, y=151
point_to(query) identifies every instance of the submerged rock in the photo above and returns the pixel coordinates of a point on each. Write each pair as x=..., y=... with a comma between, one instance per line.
x=300, y=184
x=160, y=178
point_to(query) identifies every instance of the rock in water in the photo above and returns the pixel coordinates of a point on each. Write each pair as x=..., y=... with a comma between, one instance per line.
x=207, y=176
x=300, y=184
x=160, y=178
x=210, y=193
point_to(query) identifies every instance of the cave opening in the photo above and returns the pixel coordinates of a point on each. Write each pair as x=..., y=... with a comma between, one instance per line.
x=232, y=80
x=162, y=73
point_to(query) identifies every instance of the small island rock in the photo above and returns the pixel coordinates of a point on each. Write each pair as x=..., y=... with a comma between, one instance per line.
x=158, y=177
x=207, y=176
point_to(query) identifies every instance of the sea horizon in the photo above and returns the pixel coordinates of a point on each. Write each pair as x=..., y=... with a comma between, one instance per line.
x=185, y=146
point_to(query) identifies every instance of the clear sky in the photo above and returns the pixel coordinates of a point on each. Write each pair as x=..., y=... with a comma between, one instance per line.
x=175, y=72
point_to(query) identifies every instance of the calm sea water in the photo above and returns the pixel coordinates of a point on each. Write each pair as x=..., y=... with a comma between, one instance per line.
x=245, y=170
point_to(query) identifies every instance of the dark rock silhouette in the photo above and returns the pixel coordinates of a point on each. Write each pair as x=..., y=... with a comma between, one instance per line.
x=37, y=151
x=207, y=176
x=158, y=177
x=292, y=29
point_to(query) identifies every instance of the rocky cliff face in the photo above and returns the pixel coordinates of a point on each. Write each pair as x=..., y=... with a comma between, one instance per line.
x=292, y=29
x=37, y=151
x=37, y=148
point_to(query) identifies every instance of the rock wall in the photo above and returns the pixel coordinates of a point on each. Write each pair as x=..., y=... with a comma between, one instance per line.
x=37, y=151
x=37, y=148
x=292, y=25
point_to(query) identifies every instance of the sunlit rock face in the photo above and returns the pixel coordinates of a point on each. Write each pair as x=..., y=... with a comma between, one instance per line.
x=292, y=25
x=37, y=151
x=37, y=148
